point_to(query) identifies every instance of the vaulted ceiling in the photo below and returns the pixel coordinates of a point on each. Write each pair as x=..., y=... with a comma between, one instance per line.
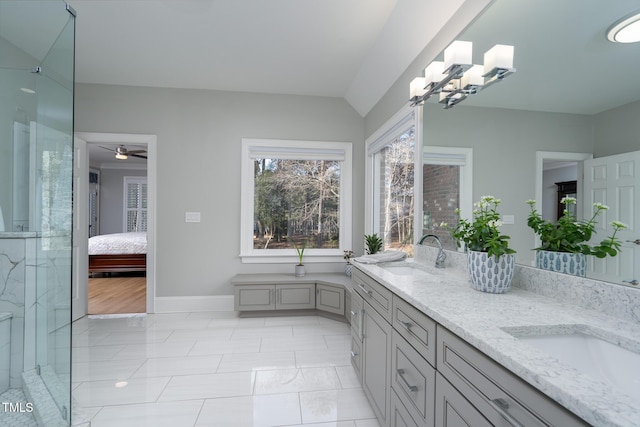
x=355, y=49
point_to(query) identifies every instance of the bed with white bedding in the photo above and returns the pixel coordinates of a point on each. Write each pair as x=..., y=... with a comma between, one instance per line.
x=118, y=252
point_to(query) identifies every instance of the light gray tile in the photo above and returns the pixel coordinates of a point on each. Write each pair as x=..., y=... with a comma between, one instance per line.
x=251, y=411
x=296, y=380
x=149, y=414
x=106, y=393
x=334, y=405
x=206, y=386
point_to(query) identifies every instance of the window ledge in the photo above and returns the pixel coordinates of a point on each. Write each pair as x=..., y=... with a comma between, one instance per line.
x=289, y=259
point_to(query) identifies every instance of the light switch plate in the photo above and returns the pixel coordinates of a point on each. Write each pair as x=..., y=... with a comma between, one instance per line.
x=192, y=217
x=508, y=219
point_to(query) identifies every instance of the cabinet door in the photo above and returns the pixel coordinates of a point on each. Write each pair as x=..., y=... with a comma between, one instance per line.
x=295, y=296
x=330, y=298
x=254, y=297
x=453, y=410
x=399, y=415
x=376, y=362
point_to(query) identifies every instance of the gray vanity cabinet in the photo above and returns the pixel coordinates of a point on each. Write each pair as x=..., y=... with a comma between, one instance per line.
x=376, y=361
x=330, y=299
x=501, y=397
x=290, y=296
x=453, y=410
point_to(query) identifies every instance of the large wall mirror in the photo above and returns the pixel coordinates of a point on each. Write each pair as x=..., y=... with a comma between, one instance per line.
x=575, y=96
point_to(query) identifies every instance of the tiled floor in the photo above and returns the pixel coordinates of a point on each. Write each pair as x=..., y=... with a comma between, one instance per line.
x=215, y=369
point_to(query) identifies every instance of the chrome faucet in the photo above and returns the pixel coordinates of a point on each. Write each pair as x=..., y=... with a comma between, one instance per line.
x=441, y=255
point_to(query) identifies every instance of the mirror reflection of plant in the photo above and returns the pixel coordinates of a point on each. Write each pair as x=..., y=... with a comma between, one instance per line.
x=373, y=243
x=483, y=234
x=571, y=235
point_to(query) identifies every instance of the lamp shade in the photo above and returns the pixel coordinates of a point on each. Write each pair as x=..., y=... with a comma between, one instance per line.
x=473, y=77
x=500, y=56
x=458, y=53
x=416, y=87
x=433, y=72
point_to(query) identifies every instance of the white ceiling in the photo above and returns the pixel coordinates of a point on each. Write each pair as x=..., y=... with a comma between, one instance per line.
x=355, y=49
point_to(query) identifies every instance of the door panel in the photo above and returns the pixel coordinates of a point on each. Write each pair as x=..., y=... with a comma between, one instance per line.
x=615, y=182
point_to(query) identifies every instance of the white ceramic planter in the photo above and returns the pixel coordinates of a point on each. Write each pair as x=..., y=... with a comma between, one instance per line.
x=490, y=274
x=562, y=262
x=300, y=271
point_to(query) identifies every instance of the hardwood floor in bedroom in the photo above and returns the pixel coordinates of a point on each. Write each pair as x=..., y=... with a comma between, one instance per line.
x=117, y=295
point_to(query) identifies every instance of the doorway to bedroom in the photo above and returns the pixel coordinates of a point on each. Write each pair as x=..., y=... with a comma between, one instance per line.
x=119, y=220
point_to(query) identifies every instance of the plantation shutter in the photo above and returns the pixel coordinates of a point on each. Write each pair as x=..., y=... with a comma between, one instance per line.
x=135, y=204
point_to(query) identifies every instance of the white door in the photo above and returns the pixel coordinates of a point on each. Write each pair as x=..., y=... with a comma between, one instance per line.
x=615, y=182
x=79, y=278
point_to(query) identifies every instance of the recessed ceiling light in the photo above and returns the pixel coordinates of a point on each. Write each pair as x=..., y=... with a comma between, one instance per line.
x=626, y=30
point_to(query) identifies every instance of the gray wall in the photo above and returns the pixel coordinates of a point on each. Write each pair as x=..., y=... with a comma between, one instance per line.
x=112, y=198
x=617, y=131
x=549, y=208
x=199, y=135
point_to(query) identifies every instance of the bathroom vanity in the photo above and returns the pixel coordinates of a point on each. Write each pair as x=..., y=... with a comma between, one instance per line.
x=429, y=350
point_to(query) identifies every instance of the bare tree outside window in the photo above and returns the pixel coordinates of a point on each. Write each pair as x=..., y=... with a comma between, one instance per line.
x=296, y=201
x=395, y=163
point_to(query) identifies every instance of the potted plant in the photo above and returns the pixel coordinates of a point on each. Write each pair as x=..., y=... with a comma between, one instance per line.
x=299, y=269
x=373, y=243
x=490, y=259
x=347, y=257
x=564, y=244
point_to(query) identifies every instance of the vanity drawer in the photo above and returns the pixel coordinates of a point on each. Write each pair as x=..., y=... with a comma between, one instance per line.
x=379, y=297
x=413, y=380
x=417, y=328
x=497, y=393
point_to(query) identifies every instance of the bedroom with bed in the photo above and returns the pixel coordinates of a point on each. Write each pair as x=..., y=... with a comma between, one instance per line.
x=117, y=246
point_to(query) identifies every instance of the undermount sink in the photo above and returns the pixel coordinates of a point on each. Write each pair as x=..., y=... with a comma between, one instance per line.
x=593, y=356
x=405, y=269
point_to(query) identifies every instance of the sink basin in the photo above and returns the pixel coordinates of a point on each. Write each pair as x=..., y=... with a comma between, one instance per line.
x=405, y=269
x=593, y=356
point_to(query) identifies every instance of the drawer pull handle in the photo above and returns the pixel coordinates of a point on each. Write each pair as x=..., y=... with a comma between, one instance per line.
x=353, y=354
x=353, y=313
x=366, y=291
x=502, y=407
x=404, y=380
x=407, y=325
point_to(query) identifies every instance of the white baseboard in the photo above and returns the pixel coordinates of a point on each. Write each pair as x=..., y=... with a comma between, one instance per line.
x=194, y=304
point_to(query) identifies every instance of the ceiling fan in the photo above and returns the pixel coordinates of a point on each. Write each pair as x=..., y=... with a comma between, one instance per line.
x=122, y=153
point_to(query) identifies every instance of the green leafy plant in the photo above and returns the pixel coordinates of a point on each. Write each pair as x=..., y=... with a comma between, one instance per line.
x=347, y=256
x=571, y=235
x=483, y=233
x=300, y=251
x=373, y=243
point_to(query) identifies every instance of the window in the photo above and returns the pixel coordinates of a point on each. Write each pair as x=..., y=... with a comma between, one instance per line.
x=392, y=174
x=135, y=203
x=295, y=193
x=446, y=176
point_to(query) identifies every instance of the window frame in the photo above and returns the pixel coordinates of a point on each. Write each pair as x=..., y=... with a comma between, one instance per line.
x=378, y=141
x=313, y=150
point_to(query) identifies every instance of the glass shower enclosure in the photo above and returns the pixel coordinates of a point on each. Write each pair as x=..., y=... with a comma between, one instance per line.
x=37, y=47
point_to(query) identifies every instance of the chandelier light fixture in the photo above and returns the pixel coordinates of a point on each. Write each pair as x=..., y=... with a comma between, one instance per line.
x=455, y=78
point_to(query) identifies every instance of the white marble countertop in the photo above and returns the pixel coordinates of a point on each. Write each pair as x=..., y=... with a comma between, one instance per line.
x=447, y=297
